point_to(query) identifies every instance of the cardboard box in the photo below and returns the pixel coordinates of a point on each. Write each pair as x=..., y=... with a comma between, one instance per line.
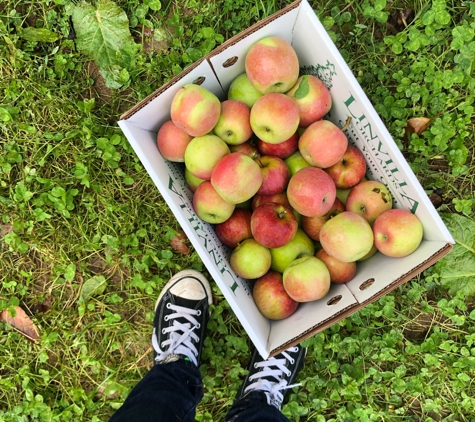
x=317, y=54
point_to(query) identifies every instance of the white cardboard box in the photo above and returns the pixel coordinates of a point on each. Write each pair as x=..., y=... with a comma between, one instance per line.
x=317, y=54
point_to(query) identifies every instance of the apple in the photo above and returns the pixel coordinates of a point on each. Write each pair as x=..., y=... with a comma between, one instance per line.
x=347, y=237
x=350, y=170
x=279, y=198
x=172, y=142
x=369, y=199
x=233, y=125
x=236, y=228
x=306, y=279
x=312, y=225
x=275, y=118
x=247, y=148
x=300, y=245
x=342, y=194
x=311, y=192
x=195, y=110
x=250, y=259
x=340, y=272
x=192, y=181
x=203, y=153
x=236, y=177
x=242, y=90
x=295, y=162
x=271, y=298
x=323, y=144
x=275, y=175
x=209, y=205
x=273, y=225
x=397, y=233
x=313, y=98
x=272, y=65
x=282, y=150
x=371, y=252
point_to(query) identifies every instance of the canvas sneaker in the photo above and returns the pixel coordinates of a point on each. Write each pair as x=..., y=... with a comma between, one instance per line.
x=181, y=315
x=273, y=376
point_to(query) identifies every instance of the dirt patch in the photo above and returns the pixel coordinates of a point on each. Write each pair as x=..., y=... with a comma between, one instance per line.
x=419, y=327
x=5, y=229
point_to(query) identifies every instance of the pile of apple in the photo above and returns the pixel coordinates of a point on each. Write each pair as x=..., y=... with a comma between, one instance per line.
x=282, y=185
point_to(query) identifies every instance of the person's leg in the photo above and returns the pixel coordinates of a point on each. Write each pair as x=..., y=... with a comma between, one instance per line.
x=172, y=389
x=263, y=390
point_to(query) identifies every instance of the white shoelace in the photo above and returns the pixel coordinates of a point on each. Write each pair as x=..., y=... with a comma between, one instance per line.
x=273, y=389
x=180, y=344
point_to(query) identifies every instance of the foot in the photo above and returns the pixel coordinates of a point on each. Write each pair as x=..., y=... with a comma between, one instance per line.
x=273, y=376
x=181, y=316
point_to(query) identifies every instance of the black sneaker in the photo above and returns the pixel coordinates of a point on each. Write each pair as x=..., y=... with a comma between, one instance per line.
x=181, y=315
x=273, y=376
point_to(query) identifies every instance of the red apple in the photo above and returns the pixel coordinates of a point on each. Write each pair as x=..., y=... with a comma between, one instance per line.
x=283, y=150
x=271, y=298
x=275, y=175
x=306, y=279
x=369, y=199
x=236, y=228
x=247, y=148
x=350, y=170
x=313, y=225
x=279, y=198
x=397, y=233
x=311, y=192
x=340, y=272
x=273, y=225
x=347, y=237
x=323, y=144
x=172, y=142
x=233, y=125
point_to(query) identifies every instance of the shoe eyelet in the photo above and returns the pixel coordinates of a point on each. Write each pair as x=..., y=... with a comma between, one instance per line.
x=163, y=331
x=162, y=345
x=165, y=318
x=289, y=373
x=292, y=361
x=169, y=305
x=198, y=326
x=198, y=313
x=255, y=365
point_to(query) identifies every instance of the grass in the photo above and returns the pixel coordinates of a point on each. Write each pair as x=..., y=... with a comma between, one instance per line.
x=76, y=205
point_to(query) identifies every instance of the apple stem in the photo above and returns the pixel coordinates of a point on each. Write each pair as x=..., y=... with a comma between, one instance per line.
x=348, y=121
x=282, y=213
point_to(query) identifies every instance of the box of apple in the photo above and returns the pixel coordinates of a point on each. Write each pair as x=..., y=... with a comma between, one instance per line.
x=281, y=184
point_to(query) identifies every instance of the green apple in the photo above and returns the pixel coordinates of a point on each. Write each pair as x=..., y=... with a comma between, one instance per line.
x=242, y=90
x=296, y=162
x=250, y=260
x=301, y=245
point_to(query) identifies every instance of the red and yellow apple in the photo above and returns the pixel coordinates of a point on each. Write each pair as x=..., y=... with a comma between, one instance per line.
x=272, y=65
x=172, y=142
x=350, y=170
x=271, y=298
x=397, y=233
x=209, y=205
x=195, y=110
x=282, y=150
x=313, y=98
x=203, y=153
x=311, y=192
x=340, y=272
x=233, y=125
x=274, y=118
x=313, y=225
x=236, y=228
x=275, y=175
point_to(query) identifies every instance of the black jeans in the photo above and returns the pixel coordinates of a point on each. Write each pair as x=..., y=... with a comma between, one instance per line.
x=171, y=392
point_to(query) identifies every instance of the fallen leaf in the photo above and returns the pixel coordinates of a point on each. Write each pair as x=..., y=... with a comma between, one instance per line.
x=179, y=243
x=418, y=125
x=93, y=287
x=22, y=323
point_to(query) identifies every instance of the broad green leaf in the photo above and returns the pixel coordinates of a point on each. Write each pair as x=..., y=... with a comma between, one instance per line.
x=37, y=34
x=103, y=35
x=457, y=270
x=302, y=89
x=93, y=287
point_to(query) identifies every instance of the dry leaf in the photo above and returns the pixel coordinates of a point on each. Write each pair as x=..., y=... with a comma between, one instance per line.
x=22, y=323
x=417, y=125
x=179, y=243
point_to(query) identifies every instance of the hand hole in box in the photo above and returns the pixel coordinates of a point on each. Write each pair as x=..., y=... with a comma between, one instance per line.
x=230, y=61
x=366, y=284
x=199, y=81
x=334, y=300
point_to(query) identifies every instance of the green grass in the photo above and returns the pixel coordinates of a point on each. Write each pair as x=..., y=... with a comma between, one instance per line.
x=76, y=205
